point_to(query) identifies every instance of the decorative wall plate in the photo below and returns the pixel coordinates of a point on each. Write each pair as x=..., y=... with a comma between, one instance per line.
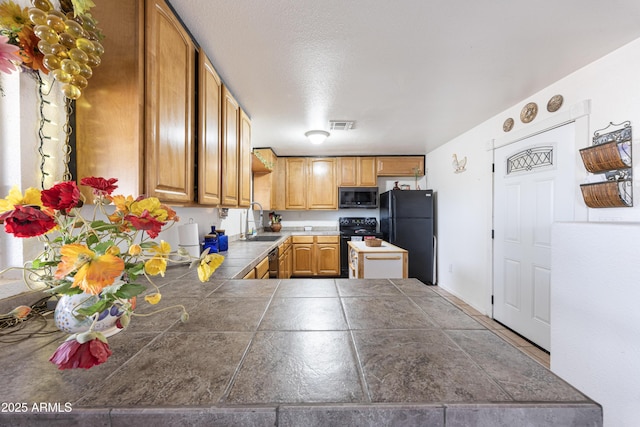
x=529, y=112
x=554, y=103
x=508, y=125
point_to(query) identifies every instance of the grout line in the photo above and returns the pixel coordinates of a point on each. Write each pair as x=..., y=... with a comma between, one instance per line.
x=511, y=338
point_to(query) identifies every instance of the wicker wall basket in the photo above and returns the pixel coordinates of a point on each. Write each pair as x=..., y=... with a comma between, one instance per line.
x=608, y=194
x=603, y=157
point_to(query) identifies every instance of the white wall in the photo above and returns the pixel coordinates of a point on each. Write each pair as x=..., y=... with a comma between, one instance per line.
x=464, y=230
x=594, y=322
x=594, y=301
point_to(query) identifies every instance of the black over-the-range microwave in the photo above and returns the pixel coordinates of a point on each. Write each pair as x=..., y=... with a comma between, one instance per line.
x=358, y=197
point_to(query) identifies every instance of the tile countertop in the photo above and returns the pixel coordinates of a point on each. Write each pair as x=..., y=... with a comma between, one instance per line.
x=297, y=352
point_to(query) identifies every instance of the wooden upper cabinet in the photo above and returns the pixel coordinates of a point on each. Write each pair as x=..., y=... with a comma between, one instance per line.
x=357, y=172
x=322, y=192
x=367, y=172
x=230, y=148
x=400, y=165
x=348, y=171
x=110, y=113
x=170, y=98
x=209, y=147
x=244, y=163
x=296, y=183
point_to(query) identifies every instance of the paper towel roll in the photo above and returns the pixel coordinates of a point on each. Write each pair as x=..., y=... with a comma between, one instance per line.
x=188, y=235
x=194, y=251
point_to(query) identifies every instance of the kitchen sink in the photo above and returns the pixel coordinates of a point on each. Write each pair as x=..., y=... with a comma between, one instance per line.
x=263, y=238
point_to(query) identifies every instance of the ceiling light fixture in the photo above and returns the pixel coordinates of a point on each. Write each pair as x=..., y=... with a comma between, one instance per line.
x=317, y=136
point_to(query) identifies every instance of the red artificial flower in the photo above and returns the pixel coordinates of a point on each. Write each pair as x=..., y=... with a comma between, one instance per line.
x=27, y=221
x=101, y=186
x=71, y=354
x=62, y=196
x=146, y=222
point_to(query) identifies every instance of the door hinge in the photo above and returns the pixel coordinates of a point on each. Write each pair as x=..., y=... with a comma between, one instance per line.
x=491, y=299
x=493, y=234
x=493, y=167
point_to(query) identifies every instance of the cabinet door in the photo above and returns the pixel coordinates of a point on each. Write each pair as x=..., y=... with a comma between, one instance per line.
x=322, y=192
x=110, y=113
x=210, y=93
x=262, y=269
x=348, y=171
x=170, y=89
x=328, y=259
x=230, y=117
x=303, y=259
x=400, y=165
x=296, y=183
x=244, y=163
x=367, y=172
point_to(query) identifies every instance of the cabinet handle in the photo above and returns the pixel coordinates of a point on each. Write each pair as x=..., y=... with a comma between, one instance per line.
x=390, y=258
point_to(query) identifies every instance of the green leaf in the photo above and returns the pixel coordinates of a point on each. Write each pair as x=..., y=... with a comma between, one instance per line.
x=65, y=288
x=130, y=290
x=92, y=239
x=135, y=269
x=102, y=247
x=101, y=305
x=147, y=245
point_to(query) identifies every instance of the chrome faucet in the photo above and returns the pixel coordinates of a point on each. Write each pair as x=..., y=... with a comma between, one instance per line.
x=246, y=224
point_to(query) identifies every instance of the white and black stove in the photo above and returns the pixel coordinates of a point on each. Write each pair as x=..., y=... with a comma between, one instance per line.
x=358, y=229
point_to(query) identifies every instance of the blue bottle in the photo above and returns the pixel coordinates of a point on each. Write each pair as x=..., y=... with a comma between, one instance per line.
x=211, y=241
x=223, y=241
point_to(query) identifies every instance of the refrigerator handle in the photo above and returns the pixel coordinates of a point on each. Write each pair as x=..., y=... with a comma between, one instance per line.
x=392, y=231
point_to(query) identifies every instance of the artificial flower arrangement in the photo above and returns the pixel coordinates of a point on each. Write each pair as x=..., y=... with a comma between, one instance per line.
x=102, y=259
x=65, y=42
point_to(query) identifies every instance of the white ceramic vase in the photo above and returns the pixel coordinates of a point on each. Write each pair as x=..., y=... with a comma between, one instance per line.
x=67, y=319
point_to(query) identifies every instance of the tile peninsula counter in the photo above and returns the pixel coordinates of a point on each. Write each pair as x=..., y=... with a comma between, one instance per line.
x=298, y=352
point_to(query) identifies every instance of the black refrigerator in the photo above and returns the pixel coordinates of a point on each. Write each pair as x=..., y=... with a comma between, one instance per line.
x=407, y=220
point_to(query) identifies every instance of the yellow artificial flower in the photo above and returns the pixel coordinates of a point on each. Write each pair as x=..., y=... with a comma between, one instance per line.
x=135, y=250
x=152, y=205
x=158, y=264
x=208, y=264
x=93, y=272
x=113, y=250
x=13, y=17
x=122, y=204
x=14, y=198
x=153, y=298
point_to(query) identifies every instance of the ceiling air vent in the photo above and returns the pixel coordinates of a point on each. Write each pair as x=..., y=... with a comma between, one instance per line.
x=341, y=124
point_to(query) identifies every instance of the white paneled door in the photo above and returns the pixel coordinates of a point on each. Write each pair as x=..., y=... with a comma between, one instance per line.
x=533, y=187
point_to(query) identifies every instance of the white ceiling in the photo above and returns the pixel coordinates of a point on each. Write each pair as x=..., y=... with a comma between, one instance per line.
x=413, y=74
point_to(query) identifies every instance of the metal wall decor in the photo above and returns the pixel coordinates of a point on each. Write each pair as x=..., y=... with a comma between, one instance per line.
x=507, y=125
x=529, y=112
x=610, y=155
x=555, y=103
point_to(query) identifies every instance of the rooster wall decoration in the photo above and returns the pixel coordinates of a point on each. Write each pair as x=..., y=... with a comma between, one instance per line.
x=459, y=165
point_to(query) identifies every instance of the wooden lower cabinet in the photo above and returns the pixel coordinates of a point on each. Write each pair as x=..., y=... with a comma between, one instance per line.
x=260, y=271
x=316, y=256
x=285, y=259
